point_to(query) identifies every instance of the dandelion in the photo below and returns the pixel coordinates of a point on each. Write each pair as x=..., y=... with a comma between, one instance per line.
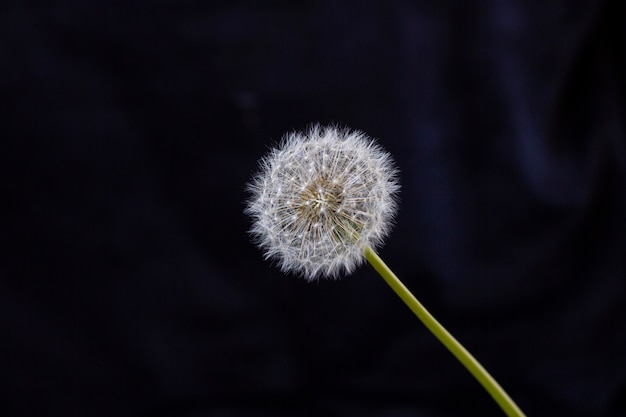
x=320, y=198
x=322, y=202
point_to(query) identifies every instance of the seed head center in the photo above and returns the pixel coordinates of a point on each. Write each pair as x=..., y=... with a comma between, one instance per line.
x=320, y=200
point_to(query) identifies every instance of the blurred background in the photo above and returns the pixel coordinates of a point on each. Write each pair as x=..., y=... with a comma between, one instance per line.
x=129, y=287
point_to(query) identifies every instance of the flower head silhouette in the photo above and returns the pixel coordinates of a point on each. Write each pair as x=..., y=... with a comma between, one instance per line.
x=320, y=198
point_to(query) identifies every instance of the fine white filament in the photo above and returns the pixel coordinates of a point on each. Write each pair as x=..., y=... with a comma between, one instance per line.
x=320, y=198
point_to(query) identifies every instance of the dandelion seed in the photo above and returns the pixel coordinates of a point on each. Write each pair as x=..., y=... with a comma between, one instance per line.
x=322, y=182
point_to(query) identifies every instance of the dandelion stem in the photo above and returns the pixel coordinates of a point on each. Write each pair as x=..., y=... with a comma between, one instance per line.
x=466, y=358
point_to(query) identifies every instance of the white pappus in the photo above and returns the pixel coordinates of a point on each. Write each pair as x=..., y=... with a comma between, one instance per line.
x=320, y=198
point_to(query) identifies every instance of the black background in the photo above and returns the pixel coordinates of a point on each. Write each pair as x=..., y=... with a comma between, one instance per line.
x=129, y=128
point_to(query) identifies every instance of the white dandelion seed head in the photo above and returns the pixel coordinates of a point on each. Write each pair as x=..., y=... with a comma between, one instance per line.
x=319, y=198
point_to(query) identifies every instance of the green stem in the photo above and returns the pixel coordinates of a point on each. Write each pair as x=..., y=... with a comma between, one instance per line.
x=466, y=358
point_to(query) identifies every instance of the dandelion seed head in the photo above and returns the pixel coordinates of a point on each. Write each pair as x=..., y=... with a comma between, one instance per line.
x=319, y=198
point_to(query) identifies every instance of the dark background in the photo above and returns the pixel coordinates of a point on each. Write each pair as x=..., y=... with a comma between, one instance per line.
x=129, y=128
